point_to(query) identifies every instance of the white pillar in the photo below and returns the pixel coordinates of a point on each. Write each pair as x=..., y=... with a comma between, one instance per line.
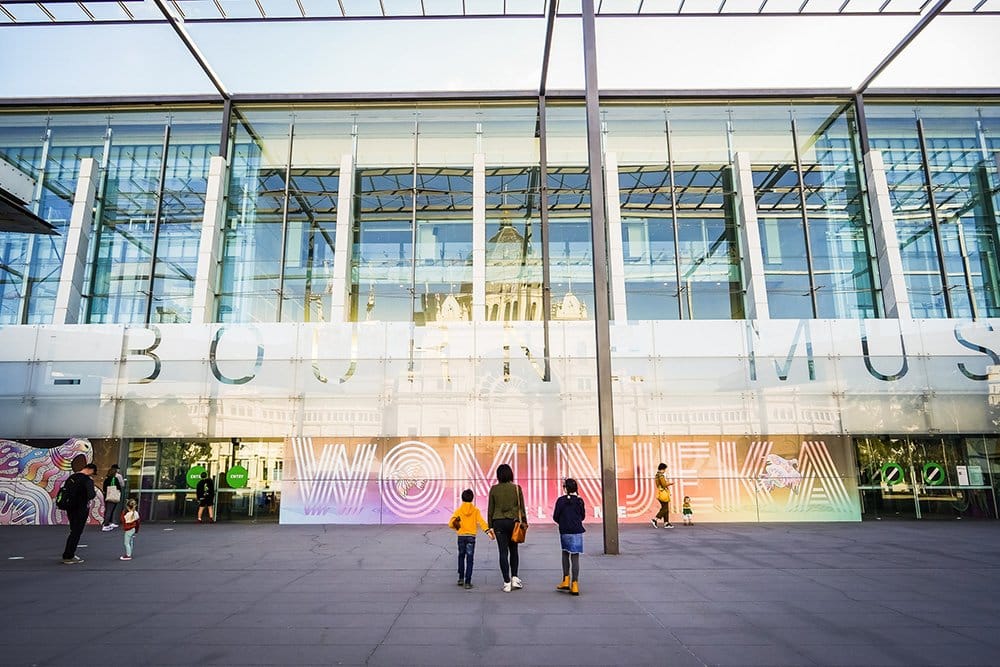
x=616, y=249
x=81, y=224
x=890, y=262
x=340, y=302
x=206, y=280
x=479, y=237
x=753, y=257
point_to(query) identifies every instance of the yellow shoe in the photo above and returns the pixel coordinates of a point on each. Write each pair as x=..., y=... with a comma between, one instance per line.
x=575, y=588
x=564, y=586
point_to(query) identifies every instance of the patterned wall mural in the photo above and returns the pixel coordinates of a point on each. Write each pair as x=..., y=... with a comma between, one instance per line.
x=397, y=480
x=31, y=476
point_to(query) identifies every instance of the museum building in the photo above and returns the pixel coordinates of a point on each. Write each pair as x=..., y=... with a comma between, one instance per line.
x=349, y=291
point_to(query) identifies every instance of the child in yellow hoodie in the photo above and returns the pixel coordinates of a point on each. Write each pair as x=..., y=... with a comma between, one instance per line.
x=465, y=520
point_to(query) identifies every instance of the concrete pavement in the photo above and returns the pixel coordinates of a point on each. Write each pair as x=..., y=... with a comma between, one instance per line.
x=881, y=593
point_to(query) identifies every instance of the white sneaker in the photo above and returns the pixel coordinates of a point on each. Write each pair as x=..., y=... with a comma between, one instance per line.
x=114, y=525
x=506, y=587
x=107, y=528
x=515, y=582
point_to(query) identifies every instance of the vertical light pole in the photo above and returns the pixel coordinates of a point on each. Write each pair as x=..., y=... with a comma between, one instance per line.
x=602, y=308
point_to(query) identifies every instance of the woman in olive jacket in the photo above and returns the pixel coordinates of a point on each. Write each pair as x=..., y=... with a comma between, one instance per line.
x=506, y=506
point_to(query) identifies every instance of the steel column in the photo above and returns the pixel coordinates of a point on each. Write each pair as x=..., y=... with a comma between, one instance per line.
x=543, y=211
x=805, y=220
x=935, y=222
x=156, y=224
x=284, y=221
x=605, y=402
x=673, y=222
x=227, y=123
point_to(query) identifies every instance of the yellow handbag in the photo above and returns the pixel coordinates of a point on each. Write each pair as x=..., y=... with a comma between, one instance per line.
x=663, y=495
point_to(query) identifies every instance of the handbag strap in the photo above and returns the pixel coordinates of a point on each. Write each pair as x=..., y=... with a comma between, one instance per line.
x=520, y=505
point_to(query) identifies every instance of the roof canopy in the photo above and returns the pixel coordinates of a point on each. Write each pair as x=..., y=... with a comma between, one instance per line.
x=329, y=49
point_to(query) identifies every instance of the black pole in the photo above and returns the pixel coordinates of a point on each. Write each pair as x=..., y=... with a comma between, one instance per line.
x=935, y=221
x=602, y=306
x=156, y=223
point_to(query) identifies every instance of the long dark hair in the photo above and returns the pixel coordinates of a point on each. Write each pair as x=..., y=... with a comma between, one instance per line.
x=504, y=473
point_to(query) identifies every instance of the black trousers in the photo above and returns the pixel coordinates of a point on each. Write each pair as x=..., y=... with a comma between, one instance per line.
x=502, y=528
x=77, y=522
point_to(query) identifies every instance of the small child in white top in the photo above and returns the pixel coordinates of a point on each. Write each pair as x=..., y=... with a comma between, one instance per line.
x=130, y=524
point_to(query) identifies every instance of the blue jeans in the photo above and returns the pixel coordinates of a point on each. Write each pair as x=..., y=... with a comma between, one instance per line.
x=129, y=538
x=466, y=553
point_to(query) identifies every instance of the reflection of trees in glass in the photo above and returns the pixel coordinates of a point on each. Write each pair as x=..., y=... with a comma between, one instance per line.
x=176, y=457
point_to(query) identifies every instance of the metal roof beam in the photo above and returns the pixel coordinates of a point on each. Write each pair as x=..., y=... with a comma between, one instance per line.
x=195, y=53
x=910, y=36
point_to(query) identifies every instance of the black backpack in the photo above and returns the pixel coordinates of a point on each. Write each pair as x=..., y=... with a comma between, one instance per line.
x=66, y=498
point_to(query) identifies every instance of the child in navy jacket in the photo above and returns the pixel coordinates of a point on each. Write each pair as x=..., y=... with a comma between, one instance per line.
x=569, y=513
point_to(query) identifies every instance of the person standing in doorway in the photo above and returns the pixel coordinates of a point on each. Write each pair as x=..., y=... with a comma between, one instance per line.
x=506, y=505
x=80, y=486
x=206, y=497
x=112, y=488
x=663, y=496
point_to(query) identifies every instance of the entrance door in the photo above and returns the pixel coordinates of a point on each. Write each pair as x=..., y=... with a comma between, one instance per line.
x=923, y=477
x=163, y=474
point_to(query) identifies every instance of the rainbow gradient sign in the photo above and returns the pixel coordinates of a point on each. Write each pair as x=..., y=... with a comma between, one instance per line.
x=419, y=480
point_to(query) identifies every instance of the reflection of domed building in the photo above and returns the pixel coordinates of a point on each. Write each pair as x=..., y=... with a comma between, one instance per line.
x=514, y=287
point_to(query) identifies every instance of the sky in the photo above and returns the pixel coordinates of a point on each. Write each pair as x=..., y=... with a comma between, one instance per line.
x=672, y=53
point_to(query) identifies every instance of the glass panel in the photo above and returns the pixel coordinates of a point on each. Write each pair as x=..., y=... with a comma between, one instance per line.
x=251, y=259
x=444, y=245
x=127, y=232
x=193, y=141
x=513, y=245
x=119, y=289
x=30, y=264
x=309, y=244
x=382, y=261
x=838, y=227
x=964, y=179
x=648, y=243
x=961, y=151
x=708, y=247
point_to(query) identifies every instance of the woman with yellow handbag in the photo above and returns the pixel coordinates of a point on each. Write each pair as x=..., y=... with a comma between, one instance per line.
x=662, y=495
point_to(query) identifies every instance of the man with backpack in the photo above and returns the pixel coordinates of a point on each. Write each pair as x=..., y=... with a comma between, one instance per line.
x=206, y=497
x=74, y=497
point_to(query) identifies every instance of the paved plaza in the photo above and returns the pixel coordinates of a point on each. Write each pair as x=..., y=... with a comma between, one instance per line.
x=880, y=593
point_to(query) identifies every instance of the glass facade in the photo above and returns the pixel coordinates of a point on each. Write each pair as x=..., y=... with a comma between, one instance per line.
x=281, y=222
x=941, y=165
x=378, y=291
x=151, y=205
x=409, y=212
x=48, y=148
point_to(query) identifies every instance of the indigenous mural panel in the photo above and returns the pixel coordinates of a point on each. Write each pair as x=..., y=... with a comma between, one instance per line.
x=32, y=474
x=397, y=480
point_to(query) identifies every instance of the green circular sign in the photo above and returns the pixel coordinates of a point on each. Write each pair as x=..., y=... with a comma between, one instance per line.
x=194, y=476
x=892, y=473
x=237, y=477
x=933, y=473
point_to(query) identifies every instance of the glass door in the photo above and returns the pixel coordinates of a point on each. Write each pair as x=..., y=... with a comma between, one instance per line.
x=925, y=477
x=163, y=474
